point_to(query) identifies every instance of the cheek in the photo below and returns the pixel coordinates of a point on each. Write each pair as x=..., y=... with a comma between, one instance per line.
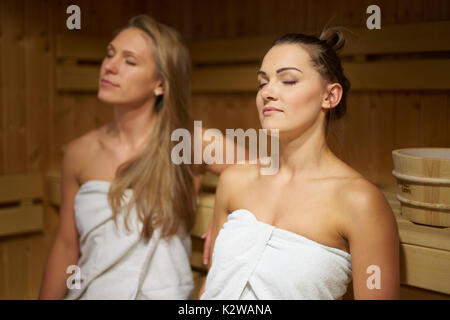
x=138, y=84
x=305, y=99
x=259, y=101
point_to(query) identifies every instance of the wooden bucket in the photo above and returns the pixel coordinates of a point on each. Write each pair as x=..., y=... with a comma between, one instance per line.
x=423, y=184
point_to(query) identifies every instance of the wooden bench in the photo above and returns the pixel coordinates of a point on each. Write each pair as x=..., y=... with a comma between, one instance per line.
x=21, y=209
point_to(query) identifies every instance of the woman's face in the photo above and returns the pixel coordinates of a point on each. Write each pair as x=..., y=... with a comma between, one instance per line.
x=128, y=74
x=291, y=91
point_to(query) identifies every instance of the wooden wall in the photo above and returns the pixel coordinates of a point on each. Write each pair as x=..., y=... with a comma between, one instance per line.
x=36, y=121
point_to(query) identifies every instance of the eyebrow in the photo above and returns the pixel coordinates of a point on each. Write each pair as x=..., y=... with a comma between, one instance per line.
x=280, y=70
x=125, y=51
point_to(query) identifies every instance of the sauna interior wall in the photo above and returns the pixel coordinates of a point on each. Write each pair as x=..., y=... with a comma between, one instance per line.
x=36, y=122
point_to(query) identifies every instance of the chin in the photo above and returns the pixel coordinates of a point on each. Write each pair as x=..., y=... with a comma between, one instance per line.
x=107, y=98
x=270, y=124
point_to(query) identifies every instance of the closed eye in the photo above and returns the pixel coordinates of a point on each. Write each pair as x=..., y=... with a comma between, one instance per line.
x=290, y=82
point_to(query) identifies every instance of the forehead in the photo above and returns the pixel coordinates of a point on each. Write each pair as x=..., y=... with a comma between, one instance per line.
x=286, y=55
x=134, y=40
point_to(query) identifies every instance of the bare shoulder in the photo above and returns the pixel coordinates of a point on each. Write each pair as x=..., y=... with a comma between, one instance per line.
x=357, y=193
x=79, y=151
x=235, y=178
x=363, y=206
x=84, y=143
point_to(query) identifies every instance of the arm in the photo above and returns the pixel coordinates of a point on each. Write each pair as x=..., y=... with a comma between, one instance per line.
x=65, y=250
x=221, y=209
x=372, y=234
x=217, y=169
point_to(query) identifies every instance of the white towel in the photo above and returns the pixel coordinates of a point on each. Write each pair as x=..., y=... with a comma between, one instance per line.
x=118, y=264
x=255, y=260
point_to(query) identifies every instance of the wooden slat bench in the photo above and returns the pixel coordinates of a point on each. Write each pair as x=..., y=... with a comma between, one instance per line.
x=21, y=209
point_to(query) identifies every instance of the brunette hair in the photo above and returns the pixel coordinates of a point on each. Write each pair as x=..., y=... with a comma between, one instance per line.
x=323, y=52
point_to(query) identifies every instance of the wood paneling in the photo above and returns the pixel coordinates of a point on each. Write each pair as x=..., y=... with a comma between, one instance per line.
x=36, y=122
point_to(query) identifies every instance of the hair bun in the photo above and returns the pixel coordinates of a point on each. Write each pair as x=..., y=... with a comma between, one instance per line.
x=334, y=37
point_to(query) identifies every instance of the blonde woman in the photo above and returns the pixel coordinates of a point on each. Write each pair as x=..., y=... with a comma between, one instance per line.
x=317, y=224
x=126, y=208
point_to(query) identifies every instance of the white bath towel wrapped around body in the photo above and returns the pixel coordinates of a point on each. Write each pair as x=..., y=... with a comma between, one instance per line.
x=118, y=264
x=255, y=260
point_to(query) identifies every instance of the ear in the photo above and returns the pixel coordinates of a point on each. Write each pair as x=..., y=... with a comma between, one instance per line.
x=159, y=90
x=333, y=96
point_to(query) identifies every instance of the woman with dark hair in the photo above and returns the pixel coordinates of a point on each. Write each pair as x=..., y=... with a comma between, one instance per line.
x=308, y=230
x=127, y=208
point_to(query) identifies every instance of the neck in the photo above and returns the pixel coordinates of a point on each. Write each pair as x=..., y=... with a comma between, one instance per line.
x=306, y=155
x=132, y=124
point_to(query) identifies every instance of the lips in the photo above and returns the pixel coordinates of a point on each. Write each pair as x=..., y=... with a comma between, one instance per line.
x=107, y=83
x=271, y=110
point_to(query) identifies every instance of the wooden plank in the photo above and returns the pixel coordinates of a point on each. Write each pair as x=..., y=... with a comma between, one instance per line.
x=198, y=278
x=37, y=84
x=39, y=249
x=410, y=38
x=77, y=78
x=358, y=131
x=381, y=137
x=21, y=186
x=197, y=254
x=3, y=279
x=64, y=122
x=16, y=264
x=206, y=199
x=407, y=120
x=410, y=10
x=3, y=152
x=425, y=268
x=399, y=75
x=13, y=79
x=407, y=38
x=54, y=188
x=52, y=14
x=210, y=181
x=230, y=50
x=204, y=216
x=437, y=10
x=433, y=119
x=383, y=75
x=21, y=220
x=424, y=236
x=448, y=118
x=85, y=108
x=412, y=293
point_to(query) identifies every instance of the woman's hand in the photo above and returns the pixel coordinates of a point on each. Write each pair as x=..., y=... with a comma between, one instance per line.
x=207, y=245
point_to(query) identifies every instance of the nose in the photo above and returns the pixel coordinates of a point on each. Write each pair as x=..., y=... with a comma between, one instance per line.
x=110, y=65
x=268, y=93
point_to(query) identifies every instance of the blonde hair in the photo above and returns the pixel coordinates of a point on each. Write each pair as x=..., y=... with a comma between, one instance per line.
x=163, y=193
